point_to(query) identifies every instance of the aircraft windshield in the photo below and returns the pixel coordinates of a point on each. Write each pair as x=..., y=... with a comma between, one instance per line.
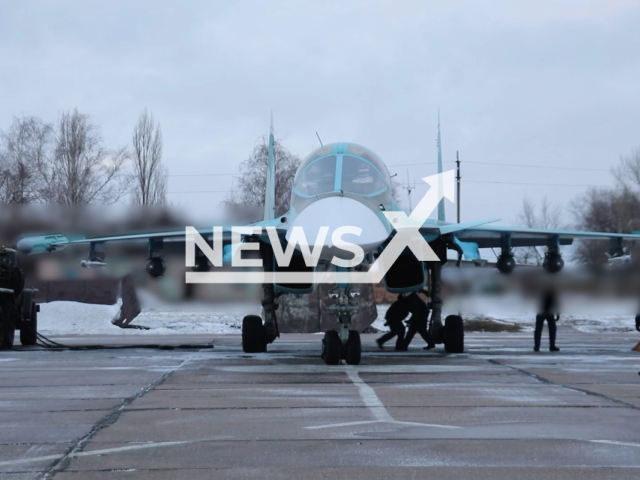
x=345, y=167
x=318, y=177
x=360, y=177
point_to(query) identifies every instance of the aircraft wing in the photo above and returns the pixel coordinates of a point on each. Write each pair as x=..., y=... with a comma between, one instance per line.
x=51, y=243
x=492, y=236
x=472, y=236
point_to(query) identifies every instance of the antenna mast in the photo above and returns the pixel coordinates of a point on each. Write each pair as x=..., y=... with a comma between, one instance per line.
x=458, y=178
x=409, y=187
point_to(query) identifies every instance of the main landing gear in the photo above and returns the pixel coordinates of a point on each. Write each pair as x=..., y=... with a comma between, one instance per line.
x=343, y=343
x=451, y=333
x=255, y=334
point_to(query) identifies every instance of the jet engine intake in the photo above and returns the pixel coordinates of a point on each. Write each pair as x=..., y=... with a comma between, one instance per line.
x=297, y=264
x=406, y=274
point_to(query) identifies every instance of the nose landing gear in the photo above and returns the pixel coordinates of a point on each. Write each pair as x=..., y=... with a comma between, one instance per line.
x=333, y=350
x=343, y=343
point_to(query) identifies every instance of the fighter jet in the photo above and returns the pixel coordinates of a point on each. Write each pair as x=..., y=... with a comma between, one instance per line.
x=337, y=185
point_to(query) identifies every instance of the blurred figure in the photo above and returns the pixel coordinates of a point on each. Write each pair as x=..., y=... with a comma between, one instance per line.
x=638, y=328
x=396, y=313
x=418, y=321
x=550, y=314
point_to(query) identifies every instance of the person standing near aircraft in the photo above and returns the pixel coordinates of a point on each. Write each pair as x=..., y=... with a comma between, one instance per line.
x=395, y=315
x=418, y=320
x=638, y=328
x=550, y=314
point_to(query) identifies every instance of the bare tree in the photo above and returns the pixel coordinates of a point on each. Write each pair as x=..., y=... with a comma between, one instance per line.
x=82, y=170
x=251, y=185
x=149, y=177
x=549, y=218
x=396, y=188
x=24, y=148
x=627, y=172
x=605, y=210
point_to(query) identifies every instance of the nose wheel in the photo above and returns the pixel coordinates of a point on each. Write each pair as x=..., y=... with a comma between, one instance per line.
x=254, y=337
x=333, y=349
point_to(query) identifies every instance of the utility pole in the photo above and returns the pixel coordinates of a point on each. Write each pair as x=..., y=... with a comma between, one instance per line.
x=458, y=177
x=409, y=187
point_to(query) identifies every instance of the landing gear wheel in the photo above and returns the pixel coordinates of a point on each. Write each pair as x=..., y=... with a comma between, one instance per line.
x=453, y=334
x=9, y=328
x=29, y=329
x=253, y=335
x=353, y=350
x=331, y=348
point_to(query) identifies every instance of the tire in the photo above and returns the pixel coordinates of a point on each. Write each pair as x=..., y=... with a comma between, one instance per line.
x=354, y=348
x=331, y=348
x=29, y=328
x=453, y=334
x=9, y=328
x=253, y=335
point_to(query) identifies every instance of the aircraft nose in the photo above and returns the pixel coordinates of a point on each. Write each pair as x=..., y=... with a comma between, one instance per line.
x=336, y=212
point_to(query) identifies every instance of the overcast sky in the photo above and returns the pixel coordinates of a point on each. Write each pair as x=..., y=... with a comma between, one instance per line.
x=544, y=82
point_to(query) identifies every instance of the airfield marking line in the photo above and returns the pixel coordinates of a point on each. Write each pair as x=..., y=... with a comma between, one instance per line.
x=614, y=442
x=369, y=396
x=347, y=424
x=375, y=406
x=101, y=451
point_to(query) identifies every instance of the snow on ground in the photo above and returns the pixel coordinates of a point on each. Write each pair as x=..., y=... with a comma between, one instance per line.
x=68, y=318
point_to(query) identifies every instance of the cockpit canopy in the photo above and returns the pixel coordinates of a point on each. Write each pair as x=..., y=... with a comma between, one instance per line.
x=345, y=167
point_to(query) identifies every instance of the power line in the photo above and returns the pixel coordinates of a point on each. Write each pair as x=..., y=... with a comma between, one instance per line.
x=543, y=184
x=539, y=166
x=501, y=164
x=204, y=175
x=504, y=165
x=203, y=191
x=467, y=181
x=417, y=164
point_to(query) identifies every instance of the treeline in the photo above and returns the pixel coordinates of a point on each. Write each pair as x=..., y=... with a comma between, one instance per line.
x=615, y=210
x=68, y=163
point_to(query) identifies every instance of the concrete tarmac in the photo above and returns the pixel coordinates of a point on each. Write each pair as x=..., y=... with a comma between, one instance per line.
x=498, y=411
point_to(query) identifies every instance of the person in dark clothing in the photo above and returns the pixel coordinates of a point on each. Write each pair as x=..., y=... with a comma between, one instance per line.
x=550, y=314
x=638, y=327
x=418, y=321
x=396, y=313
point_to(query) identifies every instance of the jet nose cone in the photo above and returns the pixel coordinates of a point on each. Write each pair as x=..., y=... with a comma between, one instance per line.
x=337, y=212
x=25, y=245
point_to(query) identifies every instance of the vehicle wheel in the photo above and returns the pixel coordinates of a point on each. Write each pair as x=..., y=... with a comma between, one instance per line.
x=331, y=348
x=453, y=334
x=253, y=335
x=29, y=329
x=354, y=348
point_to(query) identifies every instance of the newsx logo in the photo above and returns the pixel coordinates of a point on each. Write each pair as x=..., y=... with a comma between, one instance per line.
x=407, y=235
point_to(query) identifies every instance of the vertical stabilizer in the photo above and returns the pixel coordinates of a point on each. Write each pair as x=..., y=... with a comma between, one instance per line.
x=441, y=215
x=270, y=190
